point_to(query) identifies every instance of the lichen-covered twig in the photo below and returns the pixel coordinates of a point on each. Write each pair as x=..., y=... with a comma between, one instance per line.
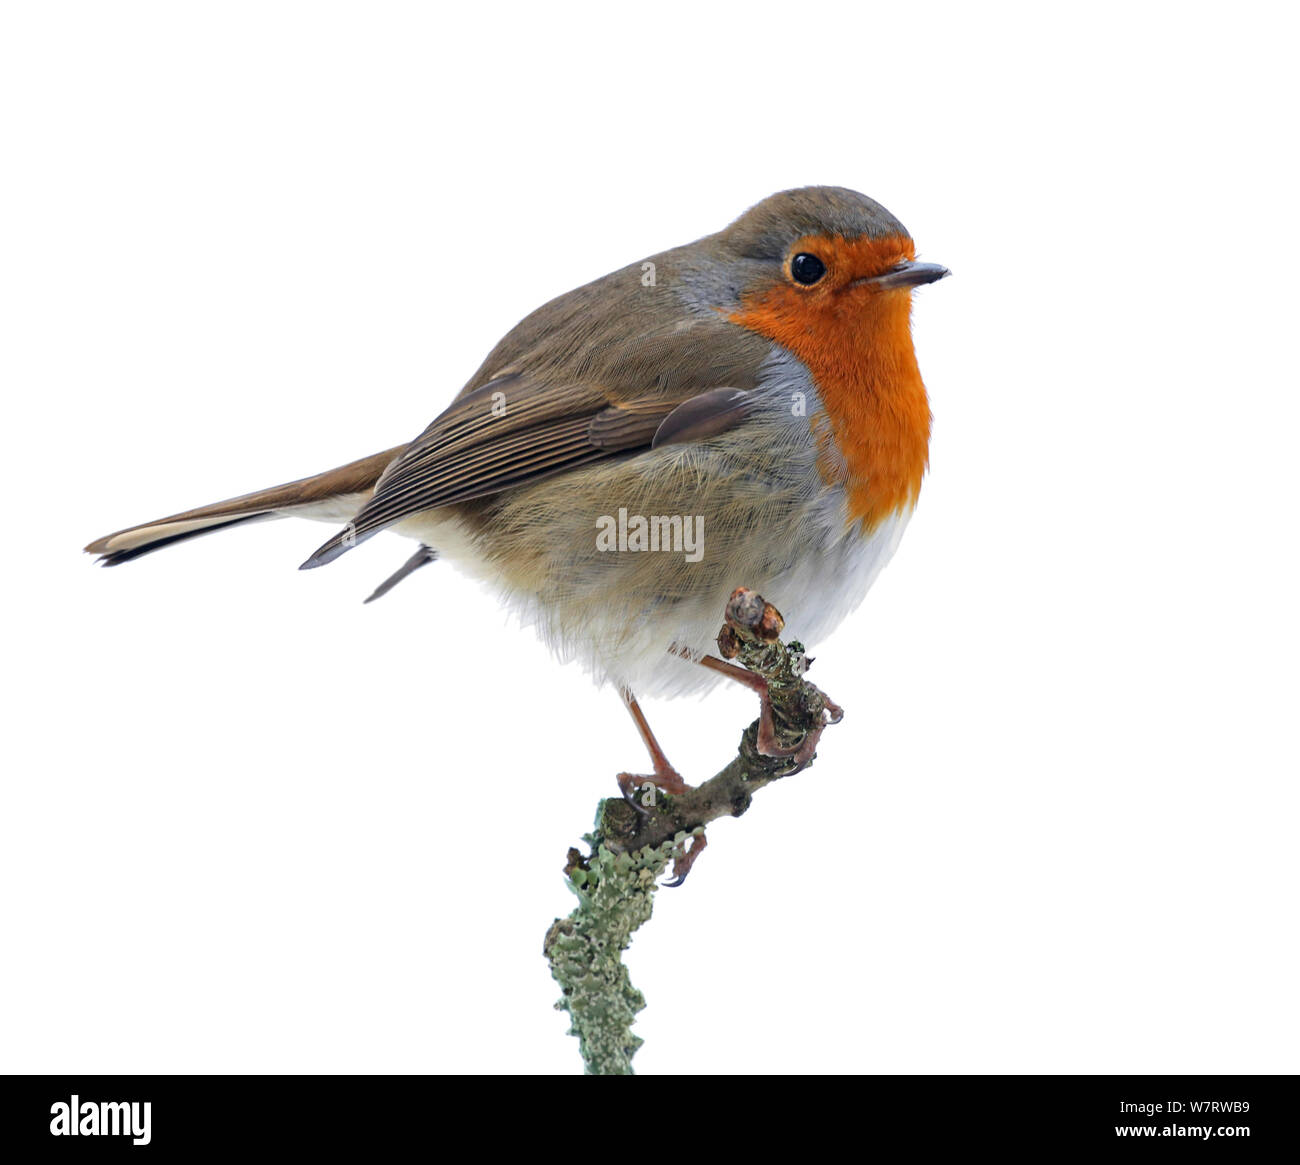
x=632, y=844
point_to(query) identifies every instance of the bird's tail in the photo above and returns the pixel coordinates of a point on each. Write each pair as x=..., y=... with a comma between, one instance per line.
x=333, y=496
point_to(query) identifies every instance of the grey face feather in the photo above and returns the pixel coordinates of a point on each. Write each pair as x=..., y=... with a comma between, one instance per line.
x=766, y=231
x=717, y=272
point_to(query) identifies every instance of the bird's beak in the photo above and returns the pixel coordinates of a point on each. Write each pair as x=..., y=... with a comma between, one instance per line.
x=905, y=274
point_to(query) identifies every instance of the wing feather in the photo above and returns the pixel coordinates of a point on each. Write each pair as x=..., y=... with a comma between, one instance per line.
x=463, y=456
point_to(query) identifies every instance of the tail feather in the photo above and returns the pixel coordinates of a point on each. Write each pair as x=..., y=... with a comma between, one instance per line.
x=160, y=539
x=331, y=496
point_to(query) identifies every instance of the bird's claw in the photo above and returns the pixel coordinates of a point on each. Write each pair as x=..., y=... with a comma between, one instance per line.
x=630, y=785
x=639, y=790
x=684, y=860
x=803, y=752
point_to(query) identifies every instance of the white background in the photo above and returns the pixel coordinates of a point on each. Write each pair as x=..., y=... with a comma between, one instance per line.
x=251, y=825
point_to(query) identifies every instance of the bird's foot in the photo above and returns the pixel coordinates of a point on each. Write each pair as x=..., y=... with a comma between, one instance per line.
x=640, y=790
x=684, y=860
x=768, y=742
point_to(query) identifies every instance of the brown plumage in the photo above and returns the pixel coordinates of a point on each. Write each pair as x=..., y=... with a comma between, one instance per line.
x=356, y=479
x=713, y=385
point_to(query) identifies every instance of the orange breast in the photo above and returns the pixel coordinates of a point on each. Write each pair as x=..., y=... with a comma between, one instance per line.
x=857, y=343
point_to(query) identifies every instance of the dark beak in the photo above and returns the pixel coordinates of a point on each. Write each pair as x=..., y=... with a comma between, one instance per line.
x=906, y=274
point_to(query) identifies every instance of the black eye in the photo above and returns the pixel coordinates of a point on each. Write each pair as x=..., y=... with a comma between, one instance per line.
x=806, y=268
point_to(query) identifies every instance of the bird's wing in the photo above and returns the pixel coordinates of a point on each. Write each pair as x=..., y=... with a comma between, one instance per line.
x=512, y=431
x=590, y=376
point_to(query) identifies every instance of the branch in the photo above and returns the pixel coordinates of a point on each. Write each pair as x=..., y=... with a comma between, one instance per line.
x=632, y=844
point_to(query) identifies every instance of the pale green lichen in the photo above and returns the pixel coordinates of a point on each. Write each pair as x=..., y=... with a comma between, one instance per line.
x=615, y=894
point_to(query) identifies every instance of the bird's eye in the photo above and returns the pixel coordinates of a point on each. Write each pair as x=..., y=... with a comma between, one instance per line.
x=806, y=268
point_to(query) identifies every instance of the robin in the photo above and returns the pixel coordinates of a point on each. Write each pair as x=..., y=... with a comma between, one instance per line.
x=745, y=409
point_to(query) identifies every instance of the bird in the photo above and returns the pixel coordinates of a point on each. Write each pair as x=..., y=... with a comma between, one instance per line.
x=744, y=409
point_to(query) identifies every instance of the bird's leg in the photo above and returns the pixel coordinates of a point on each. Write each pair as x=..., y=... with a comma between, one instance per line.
x=664, y=777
